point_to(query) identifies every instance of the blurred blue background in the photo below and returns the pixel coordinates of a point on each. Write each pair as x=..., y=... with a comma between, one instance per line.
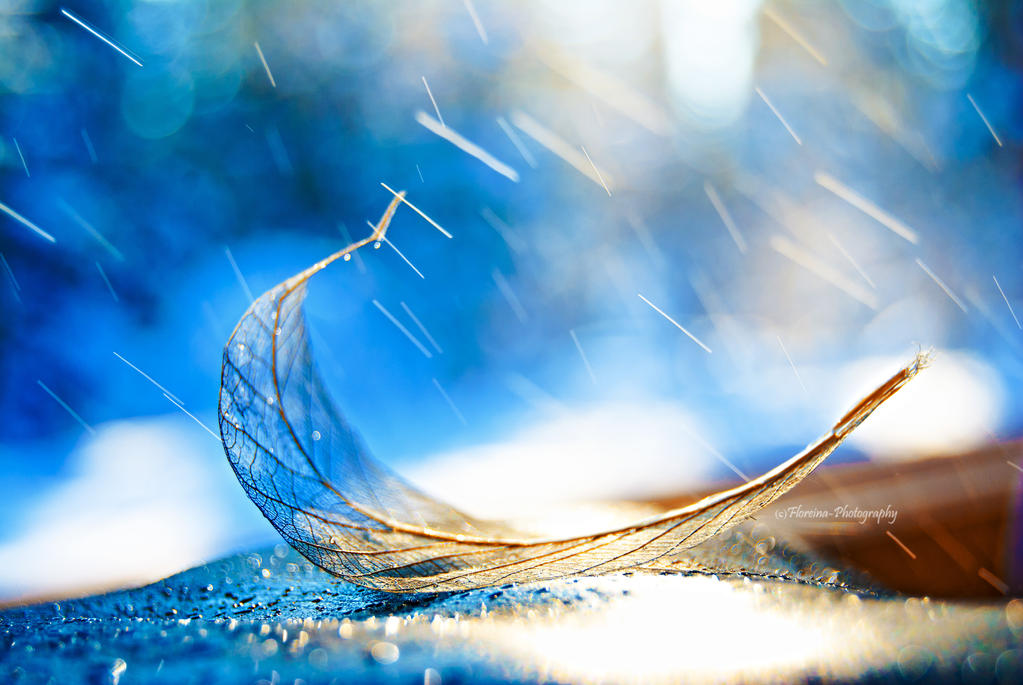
x=735, y=141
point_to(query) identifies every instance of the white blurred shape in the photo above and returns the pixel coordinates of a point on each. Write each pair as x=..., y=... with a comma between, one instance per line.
x=143, y=499
x=606, y=452
x=952, y=406
x=616, y=32
x=645, y=638
x=710, y=48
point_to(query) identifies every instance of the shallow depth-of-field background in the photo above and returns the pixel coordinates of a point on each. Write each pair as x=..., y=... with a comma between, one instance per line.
x=729, y=136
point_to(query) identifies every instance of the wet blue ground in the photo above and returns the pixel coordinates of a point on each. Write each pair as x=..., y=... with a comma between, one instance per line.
x=271, y=617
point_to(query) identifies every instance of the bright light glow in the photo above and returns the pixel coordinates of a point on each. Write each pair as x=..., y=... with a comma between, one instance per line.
x=142, y=500
x=606, y=452
x=714, y=629
x=952, y=407
x=616, y=32
x=710, y=49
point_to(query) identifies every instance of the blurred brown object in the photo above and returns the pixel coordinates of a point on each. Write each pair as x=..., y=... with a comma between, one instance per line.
x=941, y=527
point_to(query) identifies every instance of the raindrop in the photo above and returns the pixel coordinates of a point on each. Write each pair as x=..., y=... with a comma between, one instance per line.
x=914, y=662
x=978, y=668
x=116, y=670
x=318, y=658
x=1014, y=614
x=1009, y=666
x=346, y=630
x=384, y=652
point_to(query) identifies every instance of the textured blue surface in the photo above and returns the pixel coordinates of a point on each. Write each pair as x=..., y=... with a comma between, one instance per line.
x=271, y=617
